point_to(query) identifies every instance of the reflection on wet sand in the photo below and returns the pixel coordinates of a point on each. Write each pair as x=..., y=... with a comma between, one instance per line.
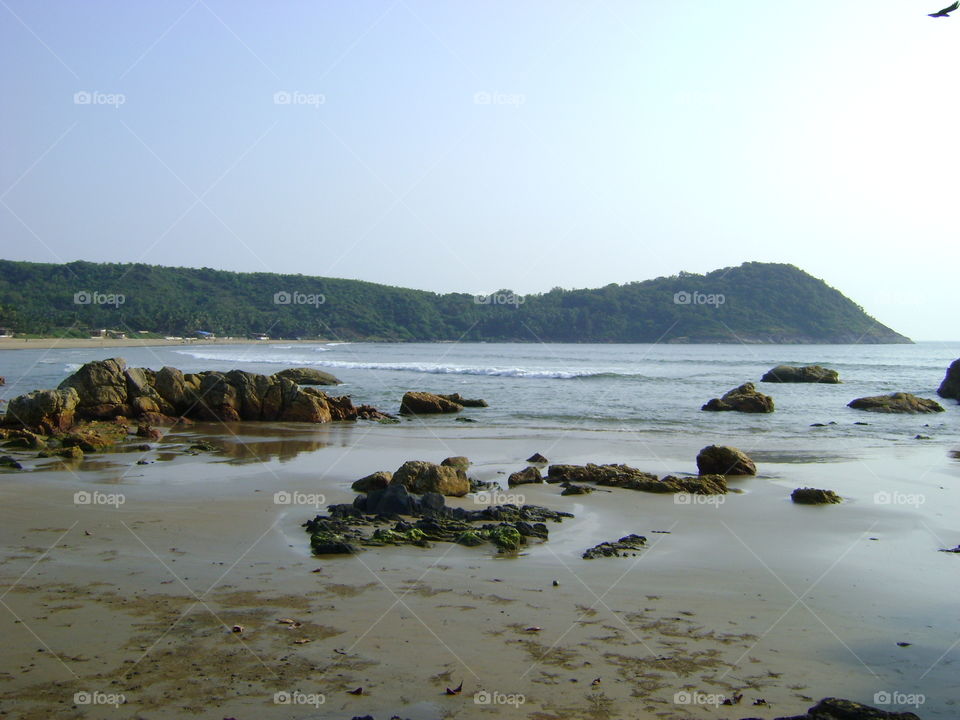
x=241, y=443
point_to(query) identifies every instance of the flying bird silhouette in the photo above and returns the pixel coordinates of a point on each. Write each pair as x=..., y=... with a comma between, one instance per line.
x=947, y=10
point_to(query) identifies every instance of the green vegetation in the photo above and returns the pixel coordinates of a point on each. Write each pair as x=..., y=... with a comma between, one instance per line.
x=761, y=302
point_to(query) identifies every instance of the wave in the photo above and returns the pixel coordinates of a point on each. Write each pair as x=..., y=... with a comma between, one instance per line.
x=425, y=368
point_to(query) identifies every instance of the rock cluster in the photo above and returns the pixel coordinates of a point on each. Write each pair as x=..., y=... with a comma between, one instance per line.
x=627, y=545
x=630, y=478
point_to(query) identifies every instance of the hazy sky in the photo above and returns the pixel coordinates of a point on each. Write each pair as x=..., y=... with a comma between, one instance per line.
x=480, y=145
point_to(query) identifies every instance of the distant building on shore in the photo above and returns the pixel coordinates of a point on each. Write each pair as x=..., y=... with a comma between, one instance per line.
x=204, y=335
x=259, y=336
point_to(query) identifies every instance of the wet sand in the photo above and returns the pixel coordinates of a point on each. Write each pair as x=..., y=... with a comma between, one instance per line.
x=753, y=596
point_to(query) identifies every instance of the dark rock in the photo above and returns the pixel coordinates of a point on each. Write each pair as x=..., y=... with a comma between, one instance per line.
x=621, y=548
x=308, y=376
x=375, y=481
x=572, y=489
x=458, y=461
x=537, y=458
x=525, y=477
x=145, y=431
x=464, y=419
x=838, y=709
x=724, y=460
x=465, y=402
x=26, y=439
x=896, y=403
x=950, y=387
x=814, y=496
x=745, y=398
x=805, y=374
x=10, y=462
x=423, y=403
x=392, y=500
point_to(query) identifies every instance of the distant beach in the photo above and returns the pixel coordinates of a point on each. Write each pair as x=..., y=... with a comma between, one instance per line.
x=10, y=343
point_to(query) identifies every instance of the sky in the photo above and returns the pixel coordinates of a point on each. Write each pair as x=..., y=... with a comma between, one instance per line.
x=455, y=146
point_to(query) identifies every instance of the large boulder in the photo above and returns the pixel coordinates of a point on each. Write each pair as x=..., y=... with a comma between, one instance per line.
x=46, y=411
x=724, y=460
x=308, y=376
x=170, y=384
x=457, y=461
x=896, y=403
x=419, y=477
x=804, y=374
x=102, y=388
x=950, y=387
x=375, y=481
x=424, y=403
x=525, y=477
x=307, y=405
x=745, y=398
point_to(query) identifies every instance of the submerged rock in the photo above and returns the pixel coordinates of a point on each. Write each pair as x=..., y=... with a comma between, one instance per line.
x=626, y=545
x=899, y=402
x=724, y=460
x=804, y=374
x=950, y=387
x=308, y=376
x=814, y=496
x=745, y=398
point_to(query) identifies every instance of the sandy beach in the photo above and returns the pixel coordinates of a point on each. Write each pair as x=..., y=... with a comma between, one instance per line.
x=751, y=596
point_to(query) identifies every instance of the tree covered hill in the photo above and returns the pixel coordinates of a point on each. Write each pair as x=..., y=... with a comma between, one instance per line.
x=755, y=302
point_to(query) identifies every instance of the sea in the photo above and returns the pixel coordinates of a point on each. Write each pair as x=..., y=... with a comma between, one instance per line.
x=654, y=390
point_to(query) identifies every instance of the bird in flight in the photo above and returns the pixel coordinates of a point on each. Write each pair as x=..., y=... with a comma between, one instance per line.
x=947, y=10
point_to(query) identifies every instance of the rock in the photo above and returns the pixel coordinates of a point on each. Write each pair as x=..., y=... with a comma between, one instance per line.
x=419, y=476
x=458, y=461
x=464, y=419
x=525, y=477
x=95, y=436
x=700, y=485
x=537, y=458
x=308, y=376
x=630, y=478
x=950, y=387
x=145, y=431
x=376, y=481
x=27, y=440
x=465, y=402
x=10, y=462
x=46, y=411
x=745, y=398
x=506, y=537
x=805, y=374
x=724, y=460
x=572, y=489
x=813, y=496
x=899, y=402
x=71, y=453
x=838, y=709
x=621, y=548
x=102, y=389
x=173, y=388
x=423, y=403
x=3, y=381
x=392, y=500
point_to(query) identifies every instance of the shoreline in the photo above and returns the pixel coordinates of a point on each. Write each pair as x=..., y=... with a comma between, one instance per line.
x=94, y=343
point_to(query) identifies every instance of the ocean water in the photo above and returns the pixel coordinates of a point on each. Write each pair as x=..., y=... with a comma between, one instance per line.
x=654, y=390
